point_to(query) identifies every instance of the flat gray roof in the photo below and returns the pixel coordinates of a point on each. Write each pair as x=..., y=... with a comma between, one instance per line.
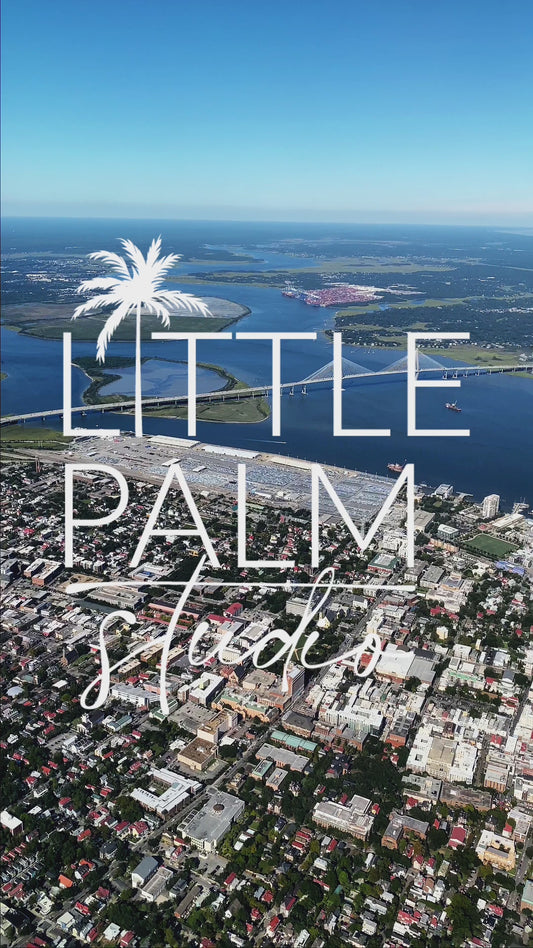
x=213, y=820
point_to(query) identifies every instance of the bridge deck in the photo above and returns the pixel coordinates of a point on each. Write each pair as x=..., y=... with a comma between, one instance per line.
x=222, y=395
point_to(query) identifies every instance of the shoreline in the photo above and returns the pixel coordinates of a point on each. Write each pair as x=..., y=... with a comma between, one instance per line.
x=291, y=462
x=98, y=381
x=51, y=324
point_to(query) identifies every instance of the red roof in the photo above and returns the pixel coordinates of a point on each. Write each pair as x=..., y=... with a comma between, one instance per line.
x=234, y=609
x=496, y=910
x=457, y=837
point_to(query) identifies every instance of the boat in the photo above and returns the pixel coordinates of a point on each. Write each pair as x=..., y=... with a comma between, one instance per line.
x=453, y=406
x=396, y=468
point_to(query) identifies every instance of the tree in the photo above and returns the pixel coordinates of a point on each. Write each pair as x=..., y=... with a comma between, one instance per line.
x=465, y=918
x=227, y=751
x=130, y=809
x=129, y=291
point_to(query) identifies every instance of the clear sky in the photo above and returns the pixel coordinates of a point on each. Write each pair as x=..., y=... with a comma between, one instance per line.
x=383, y=110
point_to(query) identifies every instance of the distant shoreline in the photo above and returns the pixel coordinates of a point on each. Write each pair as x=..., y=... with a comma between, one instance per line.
x=48, y=321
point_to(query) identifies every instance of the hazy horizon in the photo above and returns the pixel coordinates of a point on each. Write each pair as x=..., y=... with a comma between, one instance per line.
x=356, y=222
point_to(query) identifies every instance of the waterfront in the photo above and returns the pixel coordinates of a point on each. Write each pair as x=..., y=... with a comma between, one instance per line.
x=498, y=409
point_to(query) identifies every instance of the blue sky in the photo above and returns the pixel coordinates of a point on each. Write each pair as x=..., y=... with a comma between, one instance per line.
x=385, y=110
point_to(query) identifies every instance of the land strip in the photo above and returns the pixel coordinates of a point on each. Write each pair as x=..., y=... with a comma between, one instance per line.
x=50, y=320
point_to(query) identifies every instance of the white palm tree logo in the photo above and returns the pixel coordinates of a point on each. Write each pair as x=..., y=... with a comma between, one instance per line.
x=138, y=284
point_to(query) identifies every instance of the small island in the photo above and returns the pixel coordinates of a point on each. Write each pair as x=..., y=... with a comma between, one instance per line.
x=232, y=411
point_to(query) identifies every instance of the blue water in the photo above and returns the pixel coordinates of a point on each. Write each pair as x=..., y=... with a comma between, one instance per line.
x=498, y=409
x=161, y=377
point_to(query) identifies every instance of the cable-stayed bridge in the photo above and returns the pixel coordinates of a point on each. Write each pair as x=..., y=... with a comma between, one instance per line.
x=350, y=370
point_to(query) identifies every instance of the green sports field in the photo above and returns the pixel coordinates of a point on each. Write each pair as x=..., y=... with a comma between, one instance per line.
x=491, y=546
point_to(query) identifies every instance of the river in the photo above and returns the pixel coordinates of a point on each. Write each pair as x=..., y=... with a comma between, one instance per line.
x=498, y=409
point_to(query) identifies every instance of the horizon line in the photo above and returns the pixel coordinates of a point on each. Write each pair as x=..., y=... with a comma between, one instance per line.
x=272, y=221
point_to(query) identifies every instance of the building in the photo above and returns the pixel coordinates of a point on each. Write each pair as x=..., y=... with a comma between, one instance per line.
x=283, y=757
x=262, y=770
x=156, y=884
x=458, y=797
x=400, y=825
x=276, y=778
x=206, y=688
x=423, y=789
x=299, y=724
x=42, y=572
x=293, y=742
x=296, y=606
x=129, y=694
x=189, y=900
x=526, y=901
x=394, y=663
x=208, y=826
x=496, y=851
x=123, y=597
x=383, y=563
x=352, y=817
x=179, y=792
x=212, y=731
x=11, y=823
x=295, y=681
x=440, y=758
x=198, y=755
x=491, y=506
x=496, y=776
x=143, y=872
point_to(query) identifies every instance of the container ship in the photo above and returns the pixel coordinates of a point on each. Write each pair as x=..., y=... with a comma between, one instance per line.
x=453, y=406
